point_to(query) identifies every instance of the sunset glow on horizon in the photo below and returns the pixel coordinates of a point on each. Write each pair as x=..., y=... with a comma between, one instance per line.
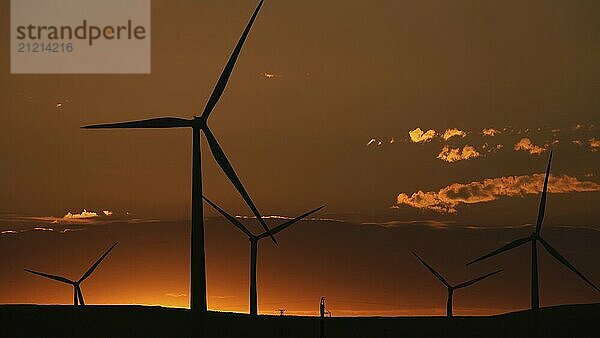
x=428, y=128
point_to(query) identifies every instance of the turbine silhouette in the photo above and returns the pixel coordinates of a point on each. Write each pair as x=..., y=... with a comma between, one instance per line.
x=77, y=295
x=451, y=288
x=198, y=301
x=533, y=239
x=254, y=245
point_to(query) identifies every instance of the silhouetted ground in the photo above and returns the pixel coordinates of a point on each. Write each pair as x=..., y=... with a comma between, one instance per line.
x=145, y=321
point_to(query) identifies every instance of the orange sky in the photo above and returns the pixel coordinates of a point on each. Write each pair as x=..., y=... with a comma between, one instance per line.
x=315, y=258
x=421, y=125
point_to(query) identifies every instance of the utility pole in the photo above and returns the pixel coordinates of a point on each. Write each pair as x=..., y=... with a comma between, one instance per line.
x=322, y=312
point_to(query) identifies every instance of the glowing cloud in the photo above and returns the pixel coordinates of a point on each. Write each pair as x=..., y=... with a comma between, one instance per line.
x=457, y=154
x=448, y=198
x=175, y=295
x=268, y=75
x=594, y=144
x=525, y=144
x=83, y=215
x=490, y=132
x=491, y=148
x=65, y=230
x=396, y=223
x=418, y=135
x=453, y=132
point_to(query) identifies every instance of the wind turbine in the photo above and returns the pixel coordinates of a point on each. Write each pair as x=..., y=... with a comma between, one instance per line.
x=197, y=261
x=533, y=239
x=77, y=295
x=254, y=245
x=451, y=288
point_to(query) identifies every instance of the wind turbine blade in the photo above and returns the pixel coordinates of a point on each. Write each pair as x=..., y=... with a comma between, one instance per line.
x=540, y=218
x=282, y=226
x=223, y=162
x=508, y=246
x=57, y=278
x=230, y=218
x=435, y=273
x=161, y=122
x=566, y=263
x=222, y=83
x=95, y=265
x=475, y=280
x=80, y=296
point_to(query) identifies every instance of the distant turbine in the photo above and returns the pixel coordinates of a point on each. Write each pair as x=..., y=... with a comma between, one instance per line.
x=77, y=295
x=254, y=245
x=533, y=238
x=197, y=262
x=455, y=287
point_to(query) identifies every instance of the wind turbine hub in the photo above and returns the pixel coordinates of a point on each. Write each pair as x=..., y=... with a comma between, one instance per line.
x=199, y=122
